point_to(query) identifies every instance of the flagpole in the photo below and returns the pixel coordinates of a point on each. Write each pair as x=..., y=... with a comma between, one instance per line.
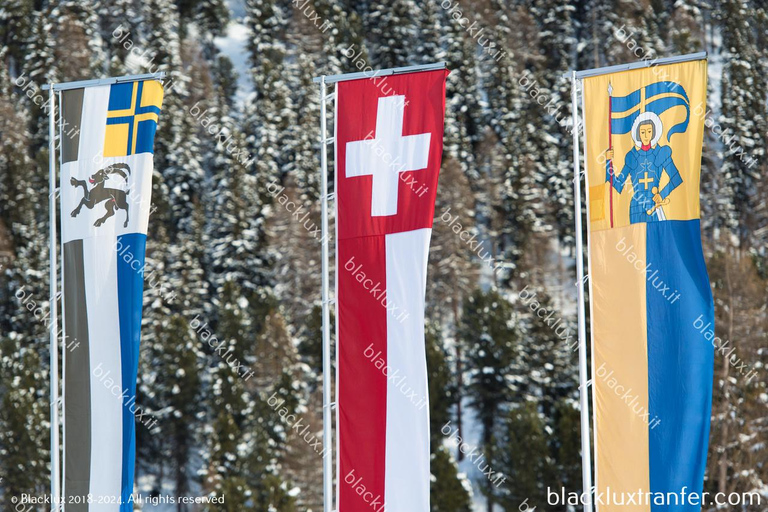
x=646, y=63
x=610, y=146
x=53, y=289
x=379, y=73
x=81, y=84
x=586, y=459
x=327, y=443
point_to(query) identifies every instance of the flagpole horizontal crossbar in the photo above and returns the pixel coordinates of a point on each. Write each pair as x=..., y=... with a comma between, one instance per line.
x=330, y=79
x=104, y=81
x=637, y=65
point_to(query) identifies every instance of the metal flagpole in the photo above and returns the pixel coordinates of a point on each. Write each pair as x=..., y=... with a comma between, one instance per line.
x=586, y=73
x=610, y=146
x=586, y=459
x=80, y=84
x=54, y=327
x=60, y=296
x=327, y=442
x=379, y=73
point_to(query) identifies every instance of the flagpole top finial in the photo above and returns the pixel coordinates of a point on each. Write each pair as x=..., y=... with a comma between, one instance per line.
x=610, y=88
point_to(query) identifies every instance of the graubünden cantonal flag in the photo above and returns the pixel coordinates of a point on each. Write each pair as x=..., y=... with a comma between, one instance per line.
x=106, y=183
x=389, y=142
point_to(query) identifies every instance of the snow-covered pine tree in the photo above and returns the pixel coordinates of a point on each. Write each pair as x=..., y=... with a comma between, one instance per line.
x=737, y=452
x=523, y=460
x=39, y=67
x=464, y=105
x=491, y=342
x=16, y=18
x=24, y=403
x=744, y=89
x=449, y=491
x=391, y=31
x=557, y=40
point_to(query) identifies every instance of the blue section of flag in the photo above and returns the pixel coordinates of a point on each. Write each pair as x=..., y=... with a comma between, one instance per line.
x=624, y=124
x=680, y=359
x=621, y=104
x=662, y=104
x=657, y=88
x=120, y=96
x=145, y=136
x=130, y=286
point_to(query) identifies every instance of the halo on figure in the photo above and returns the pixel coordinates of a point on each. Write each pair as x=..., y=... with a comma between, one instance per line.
x=657, y=128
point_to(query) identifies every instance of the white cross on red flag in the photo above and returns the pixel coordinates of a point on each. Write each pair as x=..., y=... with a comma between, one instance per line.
x=389, y=142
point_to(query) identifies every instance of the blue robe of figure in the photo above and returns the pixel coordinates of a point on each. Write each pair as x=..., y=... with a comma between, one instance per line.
x=644, y=168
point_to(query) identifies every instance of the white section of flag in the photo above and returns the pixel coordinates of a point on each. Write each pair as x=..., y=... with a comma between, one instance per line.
x=89, y=161
x=100, y=264
x=388, y=154
x=407, y=440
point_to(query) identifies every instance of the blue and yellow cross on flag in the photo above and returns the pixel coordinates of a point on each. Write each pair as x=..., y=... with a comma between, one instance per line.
x=652, y=368
x=106, y=186
x=132, y=114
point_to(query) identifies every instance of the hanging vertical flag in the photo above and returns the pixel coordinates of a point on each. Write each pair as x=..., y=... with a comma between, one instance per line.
x=652, y=370
x=389, y=142
x=106, y=183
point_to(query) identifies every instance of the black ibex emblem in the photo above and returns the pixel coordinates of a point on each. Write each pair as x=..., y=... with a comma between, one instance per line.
x=116, y=199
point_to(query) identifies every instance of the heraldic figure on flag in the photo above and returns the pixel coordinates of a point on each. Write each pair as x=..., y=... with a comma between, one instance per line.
x=644, y=165
x=640, y=338
x=647, y=161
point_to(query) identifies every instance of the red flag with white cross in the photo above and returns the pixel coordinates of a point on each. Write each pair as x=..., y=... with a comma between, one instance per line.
x=389, y=143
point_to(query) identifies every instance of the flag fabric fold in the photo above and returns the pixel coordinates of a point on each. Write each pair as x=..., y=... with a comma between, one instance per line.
x=106, y=182
x=652, y=369
x=389, y=133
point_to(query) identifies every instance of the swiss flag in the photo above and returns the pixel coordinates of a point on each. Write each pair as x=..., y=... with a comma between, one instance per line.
x=389, y=142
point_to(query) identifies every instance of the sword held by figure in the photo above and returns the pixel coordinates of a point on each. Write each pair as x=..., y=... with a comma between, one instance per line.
x=659, y=202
